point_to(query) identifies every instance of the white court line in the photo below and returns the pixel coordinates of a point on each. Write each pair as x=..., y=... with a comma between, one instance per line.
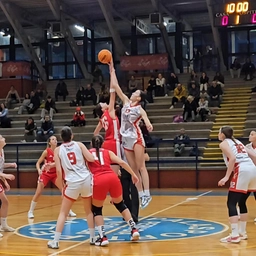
x=148, y=216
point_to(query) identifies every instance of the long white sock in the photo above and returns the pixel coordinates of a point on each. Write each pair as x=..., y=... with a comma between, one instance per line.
x=234, y=230
x=242, y=227
x=141, y=194
x=101, y=231
x=32, y=206
x=131, y=223
x=4, y=222
x=57, y=236
x=92, y=233
x=147, y=193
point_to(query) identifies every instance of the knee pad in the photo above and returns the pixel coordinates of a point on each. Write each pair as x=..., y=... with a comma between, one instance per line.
x=97, y=211
x=232, y=211
x=120, y=206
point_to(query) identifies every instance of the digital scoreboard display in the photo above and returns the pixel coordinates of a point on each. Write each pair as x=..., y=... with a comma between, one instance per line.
x=235, y=13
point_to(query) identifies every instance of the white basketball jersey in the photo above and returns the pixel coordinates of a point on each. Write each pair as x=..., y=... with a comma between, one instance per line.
x=2, y=161
x=72, y=162
x=239, y=151
x=130, y=120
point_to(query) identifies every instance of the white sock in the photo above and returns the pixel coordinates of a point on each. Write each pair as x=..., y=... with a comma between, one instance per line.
x=4, y=222
x=242, y=227
x=92, y=233
x=57, y=236
x=147, y=193
x=141, y=194
x=32, y=206
x=234, y=230
x=131, y=223
x=101, y=231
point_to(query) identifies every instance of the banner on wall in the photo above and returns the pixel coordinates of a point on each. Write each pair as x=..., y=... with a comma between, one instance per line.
x=144, y=62
x=13, y=68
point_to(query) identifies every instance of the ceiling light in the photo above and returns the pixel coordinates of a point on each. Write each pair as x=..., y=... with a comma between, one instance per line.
x=79, y=28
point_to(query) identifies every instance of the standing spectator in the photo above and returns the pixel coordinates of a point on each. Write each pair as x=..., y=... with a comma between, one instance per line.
x=78, y=118
x=192, y=79
x=50, y=107
x=61, y=90
x=30, y=131
x=180, y=142
x=173, y=81
x=104, y=94
x=190, y=109
x=133, y=85
x=97, y=75
x=248, y=69
x=34, y=103
x=203, y=109
x=12, y=97
x=90, y=94
x=25, y=104
x=179, y=95
x=5, y=121
x=204, y=80
x=196, y=60
x=194, y=91
x=215, y=94
x=80, y=96
x=160, y=85
x=150, y=89
x=219, y=78
x=46, y=130
x=41, y=90
x=235, y=67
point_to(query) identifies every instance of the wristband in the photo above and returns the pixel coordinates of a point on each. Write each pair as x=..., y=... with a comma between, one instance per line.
x=112, y=90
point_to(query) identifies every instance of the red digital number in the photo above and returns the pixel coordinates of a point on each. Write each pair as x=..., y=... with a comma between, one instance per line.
x=240, y=149
x=72, y=157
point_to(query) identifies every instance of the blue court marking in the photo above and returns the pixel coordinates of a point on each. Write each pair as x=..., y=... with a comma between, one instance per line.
x=151, y=229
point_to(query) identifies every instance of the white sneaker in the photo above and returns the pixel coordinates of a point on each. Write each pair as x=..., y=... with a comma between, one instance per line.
x=166, y=95
x=1, y=235
x=145, y=200
x=71, y=214
x=30, y=215
x=255, y=220
x=35, y=141
x=171, y=107
x=23, y=141
x=7, y=229
x=230, y=239
x=243, y=236
x=53, y=244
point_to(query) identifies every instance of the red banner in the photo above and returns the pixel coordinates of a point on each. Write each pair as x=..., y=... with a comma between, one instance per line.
x=144, y=62
x=11, y=68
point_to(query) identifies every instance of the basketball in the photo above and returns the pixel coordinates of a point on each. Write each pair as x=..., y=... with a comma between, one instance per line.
x=105, y=56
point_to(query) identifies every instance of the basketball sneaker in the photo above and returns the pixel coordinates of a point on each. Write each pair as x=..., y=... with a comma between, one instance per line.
x=71, y=214
x=102, y=241
x=255, y=220
x=53, y=244
x=30, y=215
x=135, y=235
x=7, y=229
x=1, y=235
x=230, y=239
x=243, y=236
x=145, y=200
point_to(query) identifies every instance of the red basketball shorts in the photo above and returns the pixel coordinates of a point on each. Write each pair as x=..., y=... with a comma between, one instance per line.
x=45, y=177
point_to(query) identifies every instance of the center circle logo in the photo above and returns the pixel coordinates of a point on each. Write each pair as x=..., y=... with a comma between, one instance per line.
x=117, y=230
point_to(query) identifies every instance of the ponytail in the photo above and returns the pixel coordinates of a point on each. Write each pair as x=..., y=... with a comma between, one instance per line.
x=97, y=142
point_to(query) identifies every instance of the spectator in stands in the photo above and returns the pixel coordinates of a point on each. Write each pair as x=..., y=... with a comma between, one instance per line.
x=173, y=81
x=235, y=67
x=78, y=118
x=150, y=89
x=203, y=109
x=46, y=130
x=5, y=121
x=219, y=78
x=248, y=69
x=133, y=85
x=180, y=95
x=80, y=96
x=190, y=109
x=180, y=142
x=215, y=94
x=41, y=90
x=49, y=107
x=61, y=90
x=34, y=103
x=196, y=60
x=30, y=131
x=104, y=94
x=12, y=97
x=25, y=104
x=192, y=79
x=90, y=94
x=160, y=86
x=194, y=91
x=204, y=81
x=97, y=75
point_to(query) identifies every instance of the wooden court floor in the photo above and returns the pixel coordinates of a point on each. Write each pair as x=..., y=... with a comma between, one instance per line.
x=167, y=208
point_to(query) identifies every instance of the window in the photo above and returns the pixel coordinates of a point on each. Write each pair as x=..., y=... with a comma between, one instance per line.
x=56, y=51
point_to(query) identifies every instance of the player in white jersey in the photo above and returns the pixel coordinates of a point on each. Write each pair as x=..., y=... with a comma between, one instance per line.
x=132, y=138
x=4, y=177
x=241, y=161
x=71, y=156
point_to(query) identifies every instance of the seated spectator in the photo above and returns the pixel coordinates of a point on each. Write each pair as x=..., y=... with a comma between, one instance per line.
x=160, y=86
x=132, y=85
x=34, y=103
x=49, y=107
x=180, y=95
x=104, y=94
x=204, y=81
x=173, y=81
x=235, y=67
x=150, y=89
x=203, y=109
x=12, y=97
x=215, y=94
x=90, y=94
x=41, y=90
x=80, y=96
x=190, y=109
x=61, y=90
x=5, y=121
x=30, y=131
x=192, y=79
x=78, y=118
x=97, y=75
x=248, y=69
x=194, y=91
x=180, y=142
x=46, y=130
x=24, y=104
x=219, y=78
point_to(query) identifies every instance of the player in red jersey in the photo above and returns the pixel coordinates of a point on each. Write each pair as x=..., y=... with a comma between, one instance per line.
x=106, y=181
x=46, y=173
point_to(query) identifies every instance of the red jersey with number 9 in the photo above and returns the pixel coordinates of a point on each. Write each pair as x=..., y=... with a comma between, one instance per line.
x=100, y=167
